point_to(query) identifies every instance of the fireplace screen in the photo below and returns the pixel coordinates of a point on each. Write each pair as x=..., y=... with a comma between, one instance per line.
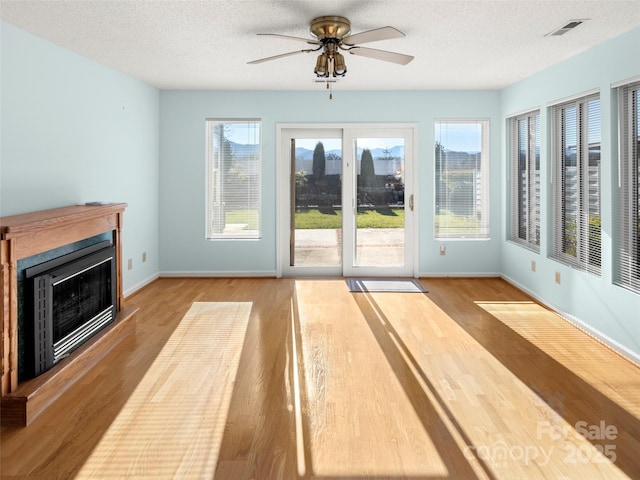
x=73, y=298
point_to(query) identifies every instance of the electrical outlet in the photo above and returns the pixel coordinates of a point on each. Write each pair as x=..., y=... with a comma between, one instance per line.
x=130, y=264
x=443, y=249
x=533, y=265
x=558, y=278
x=144, y=257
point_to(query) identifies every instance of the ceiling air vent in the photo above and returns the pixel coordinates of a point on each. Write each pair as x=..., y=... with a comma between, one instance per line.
x=570, y=25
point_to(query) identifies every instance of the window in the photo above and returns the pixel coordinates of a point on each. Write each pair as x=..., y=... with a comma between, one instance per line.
x=233, y=179
x=462, y=179
x=525, y=179
x=628, y=247
x=576, y=178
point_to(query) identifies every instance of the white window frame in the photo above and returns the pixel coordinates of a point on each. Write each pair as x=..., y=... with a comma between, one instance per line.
x=585, y=249
x=480, y=187
x=627, y=245
x=221, y=193
x=525, y=202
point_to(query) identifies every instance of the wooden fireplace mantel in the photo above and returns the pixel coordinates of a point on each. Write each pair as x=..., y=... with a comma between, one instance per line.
x=29, y=234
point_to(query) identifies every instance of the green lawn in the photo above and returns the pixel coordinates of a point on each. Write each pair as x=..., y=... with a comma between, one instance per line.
x=452, y=223
x=246, y=217
x=332, y=218
x=367, y=218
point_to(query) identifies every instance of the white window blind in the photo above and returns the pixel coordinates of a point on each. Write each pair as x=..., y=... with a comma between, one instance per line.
x=233, y=179
x=525, y=179
x=462, y=179
x=628, y=245
x=576, y=178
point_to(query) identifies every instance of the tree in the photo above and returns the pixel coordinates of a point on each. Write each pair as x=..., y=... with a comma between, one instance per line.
x=367, y=171
x=300, y=180
x=318, y=166
x=439, y=157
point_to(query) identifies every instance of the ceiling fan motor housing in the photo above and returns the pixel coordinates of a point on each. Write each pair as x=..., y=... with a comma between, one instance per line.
x=330, y=27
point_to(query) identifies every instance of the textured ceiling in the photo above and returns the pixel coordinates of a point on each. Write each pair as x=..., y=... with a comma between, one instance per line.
x=457, y=44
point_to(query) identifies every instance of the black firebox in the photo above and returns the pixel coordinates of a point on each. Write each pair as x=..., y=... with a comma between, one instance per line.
x=67, y=301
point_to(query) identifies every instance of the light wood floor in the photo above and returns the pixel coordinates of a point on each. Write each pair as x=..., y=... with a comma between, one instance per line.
x=286, y=379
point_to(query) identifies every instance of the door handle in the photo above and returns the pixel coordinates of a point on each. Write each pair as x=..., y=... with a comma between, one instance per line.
x=411, y=202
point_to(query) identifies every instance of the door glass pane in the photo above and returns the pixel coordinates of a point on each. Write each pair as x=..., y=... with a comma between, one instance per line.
x=316, y=202
x=380, y=221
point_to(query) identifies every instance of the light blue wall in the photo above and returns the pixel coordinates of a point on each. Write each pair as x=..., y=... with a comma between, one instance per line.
x=183, y=247
x=75, y=131
x=595, y=301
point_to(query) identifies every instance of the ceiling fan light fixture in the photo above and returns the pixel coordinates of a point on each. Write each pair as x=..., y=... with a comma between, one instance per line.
x=321, y=66
x=340, y=68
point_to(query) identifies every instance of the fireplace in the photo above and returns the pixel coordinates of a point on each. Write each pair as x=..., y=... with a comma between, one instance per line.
x=67, y=301
x=28, y=235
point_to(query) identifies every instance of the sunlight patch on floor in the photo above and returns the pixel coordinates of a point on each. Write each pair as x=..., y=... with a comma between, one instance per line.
x=359, y=420
x=507, y=430
x=173, y=423
x=570, y=346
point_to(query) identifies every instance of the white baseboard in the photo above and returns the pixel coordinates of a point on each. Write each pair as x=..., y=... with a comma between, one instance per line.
x=576, y=322
x=457, y=275
x=218, y=273
x=130, y=291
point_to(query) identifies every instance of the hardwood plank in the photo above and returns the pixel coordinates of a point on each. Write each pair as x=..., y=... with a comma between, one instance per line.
x=471, y=380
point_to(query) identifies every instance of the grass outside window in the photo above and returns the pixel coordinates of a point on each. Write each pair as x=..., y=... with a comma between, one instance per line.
x=332, y=218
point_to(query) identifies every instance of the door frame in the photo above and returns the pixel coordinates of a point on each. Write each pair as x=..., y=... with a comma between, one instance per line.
x=283, y=167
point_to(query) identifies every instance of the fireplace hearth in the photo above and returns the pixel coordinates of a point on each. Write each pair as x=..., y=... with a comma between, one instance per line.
x=67, y=301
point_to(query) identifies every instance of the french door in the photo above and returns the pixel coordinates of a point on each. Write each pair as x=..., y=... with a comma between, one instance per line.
x=346, y=204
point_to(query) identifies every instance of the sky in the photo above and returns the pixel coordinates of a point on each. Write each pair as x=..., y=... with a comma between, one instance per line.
x=240, y=133
x=459, y=137
x=456, y=136
x=244, y=133
x=336, y=143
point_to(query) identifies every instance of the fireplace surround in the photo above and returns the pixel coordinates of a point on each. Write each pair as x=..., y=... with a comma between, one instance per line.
x=30, y=234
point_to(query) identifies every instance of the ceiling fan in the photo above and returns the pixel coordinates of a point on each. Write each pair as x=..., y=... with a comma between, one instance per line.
x=332, y=35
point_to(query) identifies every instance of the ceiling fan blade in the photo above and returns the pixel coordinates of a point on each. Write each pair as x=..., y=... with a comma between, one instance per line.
x=289, y=37
x=392, y=57
x=267, y=59
x=383, y=33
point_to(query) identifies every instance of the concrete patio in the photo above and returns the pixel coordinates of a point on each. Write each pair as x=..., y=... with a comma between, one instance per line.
x=375, y=247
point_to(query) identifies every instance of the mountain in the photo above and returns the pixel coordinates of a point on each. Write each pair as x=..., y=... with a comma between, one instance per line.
x=377, y=153
x=383, y=165
x=462, y=160
x=242, y=151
